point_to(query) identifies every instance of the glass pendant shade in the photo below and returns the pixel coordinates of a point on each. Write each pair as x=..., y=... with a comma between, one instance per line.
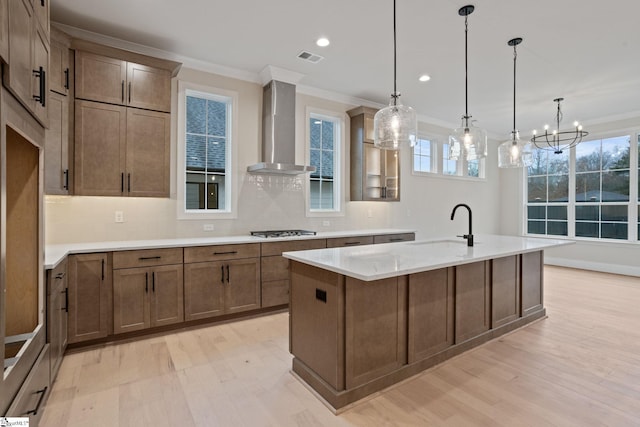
x=394, y=126
x=468, y=142
x=515, y=153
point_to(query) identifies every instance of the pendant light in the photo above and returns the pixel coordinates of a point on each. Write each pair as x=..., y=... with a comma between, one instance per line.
x=557, y=140
x=395, y=125
x=467, y=141
x=514, y=153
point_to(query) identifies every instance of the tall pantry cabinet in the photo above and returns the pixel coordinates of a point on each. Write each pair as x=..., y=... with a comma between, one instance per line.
x=24, y=54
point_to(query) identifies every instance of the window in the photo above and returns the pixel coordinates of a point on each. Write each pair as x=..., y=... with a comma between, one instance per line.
x=422, y=156
x=449, y=167
x=324, y=154
x=205, y=148
x=583, y=192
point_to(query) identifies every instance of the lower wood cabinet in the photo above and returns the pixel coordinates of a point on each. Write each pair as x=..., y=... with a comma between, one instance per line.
x=147, y=297
x=57, y=314
x=221, y=287
x=89, y=296
x=34, y=391
x=473, y=303
x=505, y=295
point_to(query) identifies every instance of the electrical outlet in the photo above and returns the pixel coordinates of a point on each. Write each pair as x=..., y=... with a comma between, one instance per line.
x=119, y=216
x=369, y=213
x=208, y=227
x=326, y=223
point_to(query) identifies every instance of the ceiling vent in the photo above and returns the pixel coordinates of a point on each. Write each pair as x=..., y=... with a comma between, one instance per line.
x=310, y=57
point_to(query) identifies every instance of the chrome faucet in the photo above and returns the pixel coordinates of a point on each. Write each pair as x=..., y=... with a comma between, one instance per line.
x=468, y=237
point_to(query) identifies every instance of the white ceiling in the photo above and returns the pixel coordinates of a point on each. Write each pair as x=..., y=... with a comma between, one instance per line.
x=586, y=52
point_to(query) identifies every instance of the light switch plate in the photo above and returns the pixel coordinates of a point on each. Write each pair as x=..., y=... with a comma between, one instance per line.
x=119, y=216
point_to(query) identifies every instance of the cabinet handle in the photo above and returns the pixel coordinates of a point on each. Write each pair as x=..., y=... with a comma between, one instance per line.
x=66, y=299
x=351, y=243
x=60, y=275
x=66, y=79
x=227, y=273
x=103, y=269
x=384, y=192
x=122, y=182
x=153, y=281
x=222, y=274
x=226, y=253
x=65, y=173
x=122, y=91
x=147, y=258
x=37, y=408
x=396, y=240
x=40, y=74
x=129, y=92
x=128, y=183
x=42, y=3
x=146, y=282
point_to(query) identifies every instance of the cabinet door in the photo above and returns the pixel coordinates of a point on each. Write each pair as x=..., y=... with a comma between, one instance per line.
x=59, y=76
x=472, y=311
x=391, y=175
x=99, y=78
x=4, y=31
x=56, y=162
x=167, y=304
x=204, y=284
x=57, y=314
x=39, y=86
x=372, y=170
x=131, y=288
x=242, y=285
x=148, y=153
x=89, y=291
x=148, y=87
x=19, y=73
x=100, y=144
x=41, y=12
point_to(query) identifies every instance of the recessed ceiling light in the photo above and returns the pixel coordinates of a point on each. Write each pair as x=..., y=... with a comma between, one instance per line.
x=322, y=42
x=424, y=78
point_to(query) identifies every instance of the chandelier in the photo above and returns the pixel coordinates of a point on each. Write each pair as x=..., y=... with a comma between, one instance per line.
x=396, y=124
x=557, y=140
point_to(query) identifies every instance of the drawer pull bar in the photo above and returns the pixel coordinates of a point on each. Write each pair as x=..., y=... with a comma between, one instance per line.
x=60, y=275
x=351, y=243
x=147, y=258
x=146, y=282
x=222, y=274
x=227, y=273
x=42, y=393
x=226, y=253
x=66, y=300
x=396, y=240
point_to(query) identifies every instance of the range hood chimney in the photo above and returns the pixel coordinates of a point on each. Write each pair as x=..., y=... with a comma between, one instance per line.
x=278, y=131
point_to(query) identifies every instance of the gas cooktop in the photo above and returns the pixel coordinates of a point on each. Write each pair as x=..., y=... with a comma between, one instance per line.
x=283, y=233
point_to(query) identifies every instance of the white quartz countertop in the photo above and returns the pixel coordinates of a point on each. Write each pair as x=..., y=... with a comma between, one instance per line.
x=56, y=253
x=373, y=262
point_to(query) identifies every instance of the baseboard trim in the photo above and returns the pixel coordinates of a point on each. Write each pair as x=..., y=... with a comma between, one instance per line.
x=625, y=270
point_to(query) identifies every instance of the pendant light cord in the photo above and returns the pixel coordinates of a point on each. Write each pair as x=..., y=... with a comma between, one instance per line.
x=515, y=55
x=466, y=78
x=395, y=91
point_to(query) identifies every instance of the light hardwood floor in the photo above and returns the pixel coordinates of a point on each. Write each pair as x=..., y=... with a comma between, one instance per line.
x=578, y=367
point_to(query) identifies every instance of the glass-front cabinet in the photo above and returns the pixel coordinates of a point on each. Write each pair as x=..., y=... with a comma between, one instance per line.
x=375, y=173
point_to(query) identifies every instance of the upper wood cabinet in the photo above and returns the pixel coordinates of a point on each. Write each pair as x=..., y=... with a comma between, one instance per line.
x=104, y=79
x=41, y=12
x=28, y=63
x=4, y=31
x=121, y=151
x=60, y=78
x=58, y=156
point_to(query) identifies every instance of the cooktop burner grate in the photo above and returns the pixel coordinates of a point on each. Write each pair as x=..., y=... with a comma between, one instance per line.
x=283, y=233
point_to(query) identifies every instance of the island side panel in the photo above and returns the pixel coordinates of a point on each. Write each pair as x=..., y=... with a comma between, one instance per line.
x=431, y=313
x=505, y=295
x=473, y=300
x=316, y=323
x=532, y=265
x=375, y=328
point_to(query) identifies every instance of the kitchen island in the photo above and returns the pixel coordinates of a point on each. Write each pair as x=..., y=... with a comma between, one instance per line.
x=364, y=318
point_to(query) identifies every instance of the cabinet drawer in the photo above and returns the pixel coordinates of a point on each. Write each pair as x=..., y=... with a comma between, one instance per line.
x=221, y=252
x=147, y=258
x=349, y=241
x=276, y=248
x=31, y=396
x=390, y=238
x=275, y=292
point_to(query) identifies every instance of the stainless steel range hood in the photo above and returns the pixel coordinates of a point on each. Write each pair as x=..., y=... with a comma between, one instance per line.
x=278, y=132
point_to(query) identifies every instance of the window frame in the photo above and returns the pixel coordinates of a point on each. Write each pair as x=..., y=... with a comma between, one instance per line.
x=339, y=121
x=633, y=204
x=231, y=154
x=438, y=152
